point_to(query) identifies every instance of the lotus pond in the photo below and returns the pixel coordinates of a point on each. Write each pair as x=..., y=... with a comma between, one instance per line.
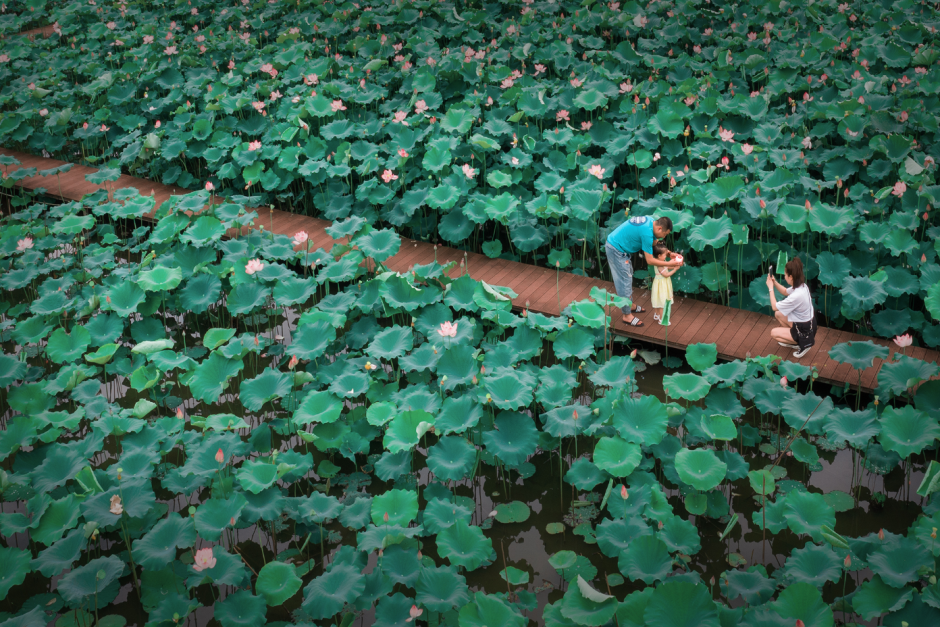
x=242, y=430
x=528, y=130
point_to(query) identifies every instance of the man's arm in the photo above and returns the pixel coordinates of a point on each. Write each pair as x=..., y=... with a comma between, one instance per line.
x=653, y=261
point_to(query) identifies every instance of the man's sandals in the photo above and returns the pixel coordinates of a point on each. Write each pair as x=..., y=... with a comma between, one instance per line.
x=636, y=322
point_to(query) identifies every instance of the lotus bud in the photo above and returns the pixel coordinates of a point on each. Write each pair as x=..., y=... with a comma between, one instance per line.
x=219, y=456
x=623, y=492
x=116, y=508
x=474, y=379
x=231, y=521
x=385, y=517
x=933, y=534
x=800, y=623
x=881, y=534
x=848, y=561
x=574, y=414
x=179, y=412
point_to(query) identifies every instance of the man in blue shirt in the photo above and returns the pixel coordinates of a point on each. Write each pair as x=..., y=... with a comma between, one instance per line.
x=635, y=235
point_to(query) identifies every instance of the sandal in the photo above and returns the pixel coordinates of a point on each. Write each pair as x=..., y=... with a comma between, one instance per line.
x=637, y=310
x=656, y=317
x=636, y=322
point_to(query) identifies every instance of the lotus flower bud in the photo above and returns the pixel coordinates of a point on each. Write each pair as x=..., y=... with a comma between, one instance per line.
x=881, y=534
x=385, y=517
x=623, y=492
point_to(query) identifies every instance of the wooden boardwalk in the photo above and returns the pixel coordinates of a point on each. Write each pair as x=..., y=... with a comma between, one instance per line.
x=736, y=332
x=44, y=31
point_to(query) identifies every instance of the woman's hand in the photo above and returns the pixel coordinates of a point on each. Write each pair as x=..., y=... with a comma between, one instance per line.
x=770, y=281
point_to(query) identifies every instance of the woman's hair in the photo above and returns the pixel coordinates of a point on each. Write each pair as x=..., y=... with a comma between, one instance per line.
x=795, y=269
x=659, y=249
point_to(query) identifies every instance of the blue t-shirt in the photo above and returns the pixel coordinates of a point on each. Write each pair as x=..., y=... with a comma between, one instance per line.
x=634, y=235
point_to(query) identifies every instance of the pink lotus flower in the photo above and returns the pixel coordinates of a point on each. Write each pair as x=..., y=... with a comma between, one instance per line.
x=388, y=176
x=116, y=507
x=843, y=7
x=420, y=107
x=707, y=32
x=337, y=105
x=43, y=112
x=726, y=135
x=515, y=160
x=293, y=362
x=24, y=244
x=807, y=143
x=783, y=382
x=148, y=39
x=300, y=237
x=586, y=126
x=903, y=341
x=311, y=79
x=255, y=145
x=899, y=188
x=156, y=124
x=4, y=58
x=596, y=170
x=448, y=329
x=575, y=82
x=539, y=68
x=623, y=492
x=258, y=106
x=920, y=70
x=413, y=613
x=903, y=116
x=561, y=115
x=400, y=118
x=507, y=83
x=209, y=186
x=468, y=171
x=204, y=559
x=105, y=129
x=253, y=265
x=625, y=88
x=752, y=36
x=746, y=148
x=402, y=153
x=219, y=456
x=489, y=101
x=111, y=25
x=170, y=50
x=697, y=49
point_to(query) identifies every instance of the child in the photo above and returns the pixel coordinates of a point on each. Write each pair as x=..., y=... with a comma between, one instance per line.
x=662, y=282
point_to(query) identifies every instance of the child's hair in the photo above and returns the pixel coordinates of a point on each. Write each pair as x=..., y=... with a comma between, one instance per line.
x=659, y=249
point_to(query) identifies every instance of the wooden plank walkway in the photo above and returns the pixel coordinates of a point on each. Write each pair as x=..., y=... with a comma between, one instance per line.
x=44, y=31
x=736, y=332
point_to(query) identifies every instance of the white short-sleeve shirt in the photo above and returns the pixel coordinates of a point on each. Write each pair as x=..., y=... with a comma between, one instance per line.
x=798, y=306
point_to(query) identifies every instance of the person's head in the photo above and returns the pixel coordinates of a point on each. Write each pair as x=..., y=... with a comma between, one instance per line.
x=793, y=272
x=662, y=227
x=660, y=251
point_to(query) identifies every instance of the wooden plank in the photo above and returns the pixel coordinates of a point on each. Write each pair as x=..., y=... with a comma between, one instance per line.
x=735, y=332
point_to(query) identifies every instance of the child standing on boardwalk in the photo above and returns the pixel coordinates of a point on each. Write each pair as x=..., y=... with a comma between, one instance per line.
x=662, y=282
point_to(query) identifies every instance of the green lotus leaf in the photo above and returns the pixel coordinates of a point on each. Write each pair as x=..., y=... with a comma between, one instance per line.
x=586, y=606
x=277, y=582
x=160, y=279
x=700, y=468
x=802, y=601
x=719, y=427
x=246, y=298
x=67, y=347
x=513, y=512
x=211, y=377
x=681, y=604
x=101, y=356
x=752, y=585
x=215, y=338
x=379, y=244
x=326, y=595
x=84, y=581
x=403, y=431
x=701, y=356
x=16, y=565
x=897, y=560
x=567, y=421
x=859, y=355
x=465, y=545
x=391, y=343
x=401, y=507
x=814, y=564
x=907, y=431
x=311, y=339
x=899, y=376
x=807, y=411
x=590, y=99
x=641, y=420
x=875, y=598
x=452, y=458
x=441, y=589
x=690, y=387
x=257, y=475
x=203, y=231
x=645, y=559
x=808, y=512
x=148, y=347
x=513, y=439
x=508, y=388
x=240, y=609
x=616, y=456
x=267, y=386
x=158, y=547
x=711, y=232
x=574, y=342
x=322, y=407
x=589, y=314
x=484, y=610
x=860, y=294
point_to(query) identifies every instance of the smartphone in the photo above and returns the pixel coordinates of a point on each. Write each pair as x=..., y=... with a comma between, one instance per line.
x=770, y=271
